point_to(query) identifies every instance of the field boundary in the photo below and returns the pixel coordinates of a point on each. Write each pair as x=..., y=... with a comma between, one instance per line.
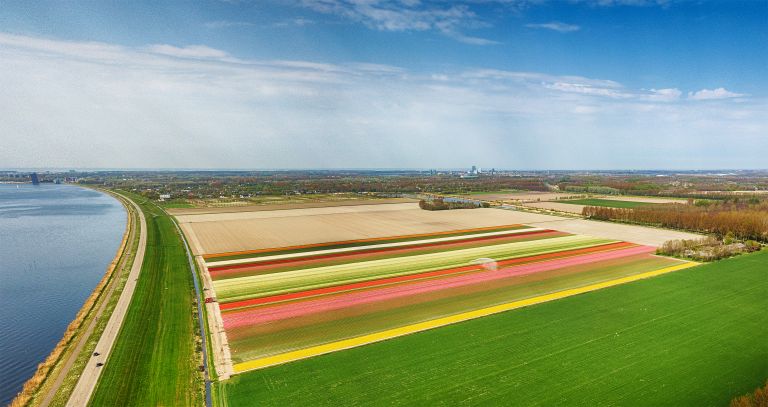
x=222, y=357
x=200, y=321
x=440, y=322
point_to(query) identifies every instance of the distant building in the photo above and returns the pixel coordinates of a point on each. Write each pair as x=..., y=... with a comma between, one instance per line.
x=35, y=180
x=165, y=196
x=473, y=173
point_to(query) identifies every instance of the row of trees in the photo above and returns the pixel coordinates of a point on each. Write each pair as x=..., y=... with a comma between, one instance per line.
x=669, y=185
x=439, y=204
x=744, y=221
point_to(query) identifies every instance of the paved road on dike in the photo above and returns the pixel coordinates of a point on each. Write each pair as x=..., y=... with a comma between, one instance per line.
x=90, y=376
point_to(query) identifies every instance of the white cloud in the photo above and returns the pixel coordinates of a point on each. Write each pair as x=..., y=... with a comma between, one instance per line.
x=450, y=18
x=719, y=93
x=296, y=22
x=80, y=104
x=376, y=68
x=636, y=3
x=556, y=26
x=497, y=74
x=406, y=15
x=190, y=51
x=587, y=89
x=668, y=95
x=466, y=39
x=226, y=24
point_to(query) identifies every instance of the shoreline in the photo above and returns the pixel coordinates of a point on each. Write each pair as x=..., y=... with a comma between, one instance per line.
x=60, y=353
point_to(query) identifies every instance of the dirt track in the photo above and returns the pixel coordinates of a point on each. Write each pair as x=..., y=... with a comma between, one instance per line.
x=222, y=358
x=90, y=376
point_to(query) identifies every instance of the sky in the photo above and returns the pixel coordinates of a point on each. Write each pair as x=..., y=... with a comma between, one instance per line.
x=513, y=84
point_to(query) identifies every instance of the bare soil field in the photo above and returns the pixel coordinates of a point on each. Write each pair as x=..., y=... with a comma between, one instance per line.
x=277, y=206
x=558, y=206
x=631, y=233
x=300, y=212
x=229, y=232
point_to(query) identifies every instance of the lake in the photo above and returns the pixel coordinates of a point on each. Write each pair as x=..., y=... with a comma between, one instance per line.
x=56, y=242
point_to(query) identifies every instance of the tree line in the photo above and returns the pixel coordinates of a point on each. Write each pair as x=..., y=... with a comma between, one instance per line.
x=439, y=204
x=745, y=221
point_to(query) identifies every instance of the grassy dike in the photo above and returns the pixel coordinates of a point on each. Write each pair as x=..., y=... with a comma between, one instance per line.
x=692, y=337
x=156, y=357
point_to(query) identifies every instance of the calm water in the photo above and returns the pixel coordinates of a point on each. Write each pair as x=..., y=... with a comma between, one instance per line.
x=55, y=244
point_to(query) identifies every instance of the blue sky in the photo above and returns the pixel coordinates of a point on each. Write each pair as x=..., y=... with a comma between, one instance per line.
x=385, y=83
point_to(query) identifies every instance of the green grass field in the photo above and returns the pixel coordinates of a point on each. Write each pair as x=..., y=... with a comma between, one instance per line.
x=154, y=361
x=610, y=203
x=692, y=337
x=176, y=204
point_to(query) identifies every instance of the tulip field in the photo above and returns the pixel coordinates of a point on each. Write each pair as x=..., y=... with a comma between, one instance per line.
x=690, y=338
x=283, y=304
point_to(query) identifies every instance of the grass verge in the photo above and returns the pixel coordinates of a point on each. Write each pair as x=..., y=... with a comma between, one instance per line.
x=155, y=360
